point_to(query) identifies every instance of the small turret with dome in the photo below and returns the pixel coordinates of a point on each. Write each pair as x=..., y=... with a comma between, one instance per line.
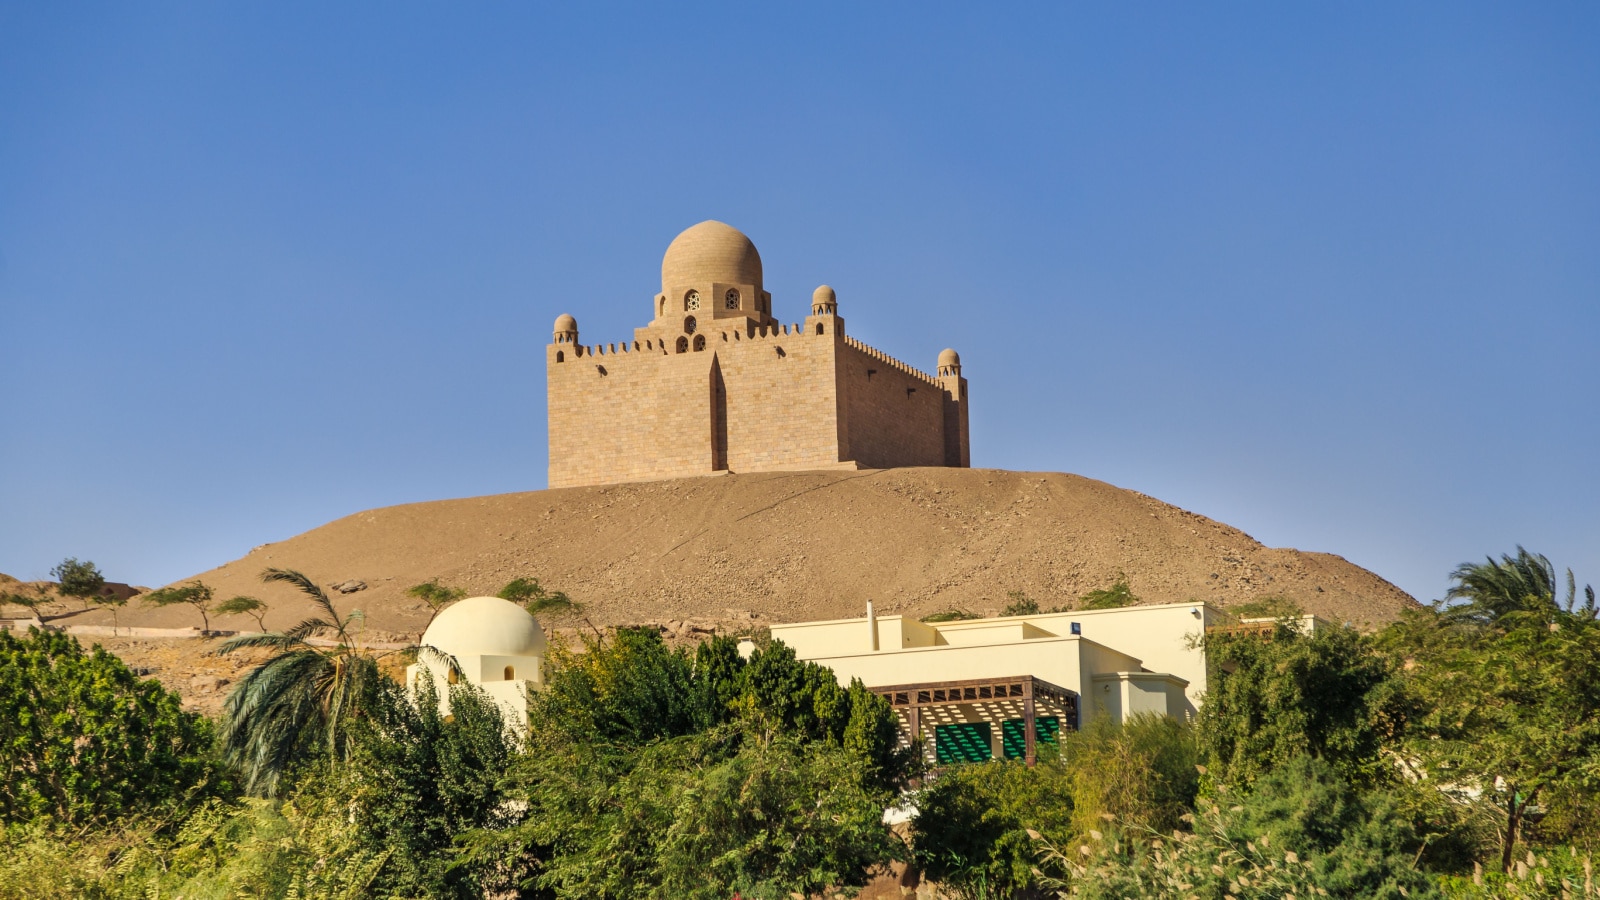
x=566, y=329
x=824, y=302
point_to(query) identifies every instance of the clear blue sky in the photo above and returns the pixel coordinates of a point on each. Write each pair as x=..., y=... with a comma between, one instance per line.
x=1329, y=275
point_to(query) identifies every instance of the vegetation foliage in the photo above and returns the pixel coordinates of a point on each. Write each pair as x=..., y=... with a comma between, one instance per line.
x=1454, y=754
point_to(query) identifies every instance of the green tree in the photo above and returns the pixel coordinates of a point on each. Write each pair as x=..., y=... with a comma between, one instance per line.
x=539, y=601
x=29, y=598
x=652, y=772
x=82, y=739
x=1114, y=597
x=1510, y=710
x=1328, y=695
x=253, y=607
x=436, y=595
x=1490, y=591
x=196, y=594
x=78, y=579
x=293, y=707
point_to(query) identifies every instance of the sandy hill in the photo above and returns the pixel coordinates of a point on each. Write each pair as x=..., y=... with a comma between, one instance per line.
x=780, y=547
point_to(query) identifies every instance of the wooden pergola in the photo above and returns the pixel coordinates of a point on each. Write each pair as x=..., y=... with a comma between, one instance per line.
x=922, y=708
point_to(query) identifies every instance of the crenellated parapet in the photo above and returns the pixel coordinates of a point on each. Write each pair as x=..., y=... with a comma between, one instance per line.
x=888, y=360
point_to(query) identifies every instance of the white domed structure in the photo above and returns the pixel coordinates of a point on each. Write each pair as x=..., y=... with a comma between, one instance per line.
x=498, y=647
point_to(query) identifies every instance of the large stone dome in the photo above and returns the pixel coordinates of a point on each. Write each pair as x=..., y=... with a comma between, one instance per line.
x=485, y=626
x=710, y=252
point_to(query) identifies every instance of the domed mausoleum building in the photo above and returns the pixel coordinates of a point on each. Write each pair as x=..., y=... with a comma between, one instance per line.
x=498, y=647
x=716, y=383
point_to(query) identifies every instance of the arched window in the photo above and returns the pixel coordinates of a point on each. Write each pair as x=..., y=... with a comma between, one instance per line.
x=511, y=673
x=699, y=342
x=689, y=325
x=819, y=328
x=683, y=345
x=661, y=310
x=560, y=357
x=691, y=301
x=733, y=299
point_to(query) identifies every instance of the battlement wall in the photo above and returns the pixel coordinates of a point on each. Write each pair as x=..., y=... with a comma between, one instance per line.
x=894, y=415
x=888, y=360
x=745, y=398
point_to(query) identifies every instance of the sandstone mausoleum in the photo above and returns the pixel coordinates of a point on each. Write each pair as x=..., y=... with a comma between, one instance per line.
x=715, y=383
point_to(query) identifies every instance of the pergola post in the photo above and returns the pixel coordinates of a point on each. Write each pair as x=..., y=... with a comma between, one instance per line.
x=914, y=718
x=1029, y=751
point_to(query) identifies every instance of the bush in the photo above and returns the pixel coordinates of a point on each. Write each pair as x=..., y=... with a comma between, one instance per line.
x=82, y=739
x=651, y=773
x=1326, y=695
x=1299, y=832
x=973, y=823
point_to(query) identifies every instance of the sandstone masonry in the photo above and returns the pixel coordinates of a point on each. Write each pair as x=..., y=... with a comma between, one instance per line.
x=716, y=384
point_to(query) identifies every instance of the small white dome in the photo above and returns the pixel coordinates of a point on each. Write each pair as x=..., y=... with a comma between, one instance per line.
x=486, y=626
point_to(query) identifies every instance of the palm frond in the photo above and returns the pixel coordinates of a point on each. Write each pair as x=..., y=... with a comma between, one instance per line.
x=275, y=641
x=434, y=654
x=309, y=628
x=273, y=718
x=306, y=586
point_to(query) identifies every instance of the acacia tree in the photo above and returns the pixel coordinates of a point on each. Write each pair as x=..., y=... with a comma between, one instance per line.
x=436, y=595
x=253, y=607
x=28, y=600
x=539, y=601
x=196, y=594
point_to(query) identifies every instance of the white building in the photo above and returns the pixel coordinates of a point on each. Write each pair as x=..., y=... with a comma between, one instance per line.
x=497, y=646
x=952, y=683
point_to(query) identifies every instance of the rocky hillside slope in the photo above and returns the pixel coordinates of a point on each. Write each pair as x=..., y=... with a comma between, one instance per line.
x=781, y=547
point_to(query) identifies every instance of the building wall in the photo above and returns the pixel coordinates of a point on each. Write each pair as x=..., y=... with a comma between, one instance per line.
x=1137, y=639
x=753, y=399
x=894, y=417
x=627, y=416
x=1056, y=660
x=783, y=406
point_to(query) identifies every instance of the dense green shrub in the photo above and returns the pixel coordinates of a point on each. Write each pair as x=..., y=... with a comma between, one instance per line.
x=414, y=780
x=1300, y=831
x=1327, y=695
x=972, y=826
x=653, y=773
x=83, y=739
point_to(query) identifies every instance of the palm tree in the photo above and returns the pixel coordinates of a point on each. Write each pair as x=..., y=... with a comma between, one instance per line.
x=1525, y=583
x=295, y=705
